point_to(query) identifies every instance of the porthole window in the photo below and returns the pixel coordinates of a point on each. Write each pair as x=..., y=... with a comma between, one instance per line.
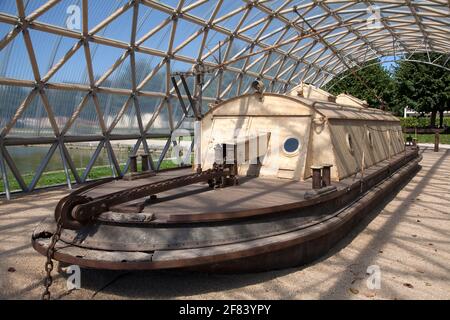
x=291, y=145
x=350, y=142
x=369, y=138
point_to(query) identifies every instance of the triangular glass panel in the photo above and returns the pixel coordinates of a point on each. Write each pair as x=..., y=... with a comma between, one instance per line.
x=101, y=10
x=289, y=67
x=120, y=27
x=146, y=64
x=13, y=184
x=110, y=105
x=128, y=123
x=148, y=19
x=256, y=62
x=275, y=4
x=8, y=7
x=27, y=159
x=148, y=106
x=191, y=49
x=63, y=104
x=272, y=38
x=210, y=86
x=121, y=76
x=185, y=30
x=65, y=14
x=11, y=97
x=50, y=49
x=254, y=31
x=254, y=16
x=102, y=166
x=161, y=123
x=211, y=52
x=203, y=11
x=74, y=70
x=180, y=66
x=239, y=49
x=14, y=60
x=230, y=79
x=31, y=6
x=103, y=58
x=171, y=3
x=54, y=173
x=246, y=83
x=87, y=122
x=160, y=39
x=232, y=21
x=5, y=29
x=34, y=122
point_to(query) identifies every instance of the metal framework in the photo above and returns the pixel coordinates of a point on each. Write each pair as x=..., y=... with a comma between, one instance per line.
x=107, y=64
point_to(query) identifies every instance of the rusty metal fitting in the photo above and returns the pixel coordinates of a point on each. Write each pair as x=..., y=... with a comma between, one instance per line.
x=436, y=142
x=316, y=177
x=145, y=165
x=326, y=175
x=133, y=163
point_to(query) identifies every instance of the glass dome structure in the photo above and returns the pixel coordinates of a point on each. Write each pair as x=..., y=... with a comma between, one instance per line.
x=76, y=72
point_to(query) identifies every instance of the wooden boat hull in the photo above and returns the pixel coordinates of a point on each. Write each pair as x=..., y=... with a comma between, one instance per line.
x=284, y=237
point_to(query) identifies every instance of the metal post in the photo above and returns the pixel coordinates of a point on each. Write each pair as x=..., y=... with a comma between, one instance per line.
x=133, y=163
x=66, y=171
x=4, y=177
x=316, y=177
x=145, y=165
x=436, y=141
x=326, y=174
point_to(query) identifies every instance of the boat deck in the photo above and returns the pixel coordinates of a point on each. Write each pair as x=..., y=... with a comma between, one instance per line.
x=252, y=194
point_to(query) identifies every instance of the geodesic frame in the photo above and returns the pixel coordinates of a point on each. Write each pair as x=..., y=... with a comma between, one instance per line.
x=335, y=36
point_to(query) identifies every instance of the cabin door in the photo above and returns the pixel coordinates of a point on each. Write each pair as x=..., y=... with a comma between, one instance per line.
x=292, y=147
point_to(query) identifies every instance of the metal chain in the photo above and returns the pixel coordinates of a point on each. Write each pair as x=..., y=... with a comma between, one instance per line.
x=48, y=280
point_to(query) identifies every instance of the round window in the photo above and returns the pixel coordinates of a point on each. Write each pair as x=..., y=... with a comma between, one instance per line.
x=349, y=142
x=291, y=145
x=369, y=138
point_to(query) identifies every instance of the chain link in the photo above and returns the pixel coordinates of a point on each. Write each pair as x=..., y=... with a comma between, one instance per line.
x=48, y=280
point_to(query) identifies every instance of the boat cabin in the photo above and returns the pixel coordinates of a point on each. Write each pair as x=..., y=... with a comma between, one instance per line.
x=283, y=136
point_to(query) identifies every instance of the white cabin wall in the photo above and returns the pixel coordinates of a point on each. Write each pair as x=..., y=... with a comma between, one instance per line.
x=349, y=163
x=321, y=149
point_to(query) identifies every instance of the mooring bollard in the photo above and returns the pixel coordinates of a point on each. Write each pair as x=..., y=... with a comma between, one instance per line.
x=133, y=164
x=145, y=166
x=326, y=174
x=316, y=177
x=436, y=142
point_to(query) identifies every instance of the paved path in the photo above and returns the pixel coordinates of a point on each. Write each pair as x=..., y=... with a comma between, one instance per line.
x=408, y=239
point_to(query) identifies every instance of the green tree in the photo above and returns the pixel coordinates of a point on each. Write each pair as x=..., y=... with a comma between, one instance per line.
x=372, y=83
x=423, y=87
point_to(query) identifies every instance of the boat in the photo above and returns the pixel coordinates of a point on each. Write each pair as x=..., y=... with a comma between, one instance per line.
x=278, y=180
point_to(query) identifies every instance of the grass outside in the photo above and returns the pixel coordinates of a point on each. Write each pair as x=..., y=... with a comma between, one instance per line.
x=58, y=177
x=429, y=138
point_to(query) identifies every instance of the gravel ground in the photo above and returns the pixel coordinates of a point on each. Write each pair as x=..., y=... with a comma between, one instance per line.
x=408, y=239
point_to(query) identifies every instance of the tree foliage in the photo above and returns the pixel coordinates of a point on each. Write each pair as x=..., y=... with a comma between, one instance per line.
x=422, y=87
x=376, y=84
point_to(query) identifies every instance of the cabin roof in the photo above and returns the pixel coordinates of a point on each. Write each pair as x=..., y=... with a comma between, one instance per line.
x=329, y=110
